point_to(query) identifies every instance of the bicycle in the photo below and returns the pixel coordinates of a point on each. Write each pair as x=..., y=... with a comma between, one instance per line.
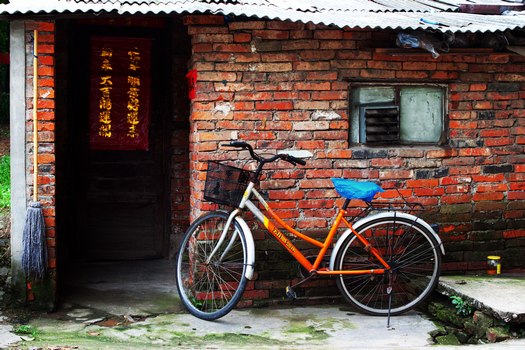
x=385, y=263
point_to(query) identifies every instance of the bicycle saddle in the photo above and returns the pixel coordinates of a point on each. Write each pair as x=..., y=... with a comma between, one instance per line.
x=349, y=189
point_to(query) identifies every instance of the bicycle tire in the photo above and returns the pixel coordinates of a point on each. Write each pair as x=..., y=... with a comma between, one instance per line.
x=411, y=251
x=211, y=290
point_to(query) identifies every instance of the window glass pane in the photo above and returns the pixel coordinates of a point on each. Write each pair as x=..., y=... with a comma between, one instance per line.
x=421, y=114
x=363, y=96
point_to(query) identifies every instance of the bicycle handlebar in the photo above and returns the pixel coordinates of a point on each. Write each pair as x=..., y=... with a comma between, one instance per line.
x=244, y=145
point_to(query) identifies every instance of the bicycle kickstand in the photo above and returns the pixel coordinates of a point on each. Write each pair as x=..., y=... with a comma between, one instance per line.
x=389, y=292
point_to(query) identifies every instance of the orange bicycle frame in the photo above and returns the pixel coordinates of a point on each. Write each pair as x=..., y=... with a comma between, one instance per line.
x=295, y=252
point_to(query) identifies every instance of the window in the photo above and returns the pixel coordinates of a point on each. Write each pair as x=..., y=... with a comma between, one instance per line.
x=400, y=114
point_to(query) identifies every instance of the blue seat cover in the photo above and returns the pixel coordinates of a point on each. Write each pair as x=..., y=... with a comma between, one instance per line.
x=350, y=189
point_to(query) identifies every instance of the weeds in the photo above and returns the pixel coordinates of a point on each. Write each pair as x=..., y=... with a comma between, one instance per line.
x=462, y=307
x=5, y=181
x=26, y=332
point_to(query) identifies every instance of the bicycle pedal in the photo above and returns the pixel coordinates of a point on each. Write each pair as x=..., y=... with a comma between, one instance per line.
x=290, y=293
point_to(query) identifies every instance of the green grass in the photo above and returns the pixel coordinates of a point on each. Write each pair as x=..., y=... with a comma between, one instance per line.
x=5, y=182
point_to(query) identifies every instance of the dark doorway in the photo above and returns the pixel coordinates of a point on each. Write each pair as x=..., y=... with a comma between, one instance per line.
x=119, y=196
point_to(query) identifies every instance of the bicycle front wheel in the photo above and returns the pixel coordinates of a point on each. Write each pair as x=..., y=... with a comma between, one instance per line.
x=413, y=255
x=211, y=267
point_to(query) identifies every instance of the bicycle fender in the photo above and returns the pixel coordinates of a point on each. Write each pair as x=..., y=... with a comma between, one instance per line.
x=250, y=247
x=367, y=219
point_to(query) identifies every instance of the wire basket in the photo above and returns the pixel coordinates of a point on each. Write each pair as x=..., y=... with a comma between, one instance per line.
x=225, y=184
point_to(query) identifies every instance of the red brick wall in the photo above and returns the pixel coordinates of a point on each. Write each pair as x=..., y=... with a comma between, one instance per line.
x=46, y=130
x=283, y=85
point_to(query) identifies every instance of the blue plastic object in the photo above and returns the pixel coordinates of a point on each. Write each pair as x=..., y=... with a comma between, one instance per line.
x=350, y=189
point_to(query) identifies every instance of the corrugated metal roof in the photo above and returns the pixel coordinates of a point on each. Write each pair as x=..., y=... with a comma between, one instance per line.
x=377, y=14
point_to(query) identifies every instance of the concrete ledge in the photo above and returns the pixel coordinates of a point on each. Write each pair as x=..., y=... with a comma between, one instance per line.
x=499, y=296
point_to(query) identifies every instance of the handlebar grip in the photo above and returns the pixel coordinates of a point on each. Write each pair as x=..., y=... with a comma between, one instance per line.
x=300, y=161
x=238, y=144
x=293, y=160
x=297, y=160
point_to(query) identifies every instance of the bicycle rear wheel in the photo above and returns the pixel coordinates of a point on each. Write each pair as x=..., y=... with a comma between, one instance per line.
x=211, y=285
x=413, y=255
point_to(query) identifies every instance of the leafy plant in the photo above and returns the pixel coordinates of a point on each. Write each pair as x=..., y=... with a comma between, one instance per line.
x=27, y=330
x=5, y=181
x=462, y=307
x=196, y=302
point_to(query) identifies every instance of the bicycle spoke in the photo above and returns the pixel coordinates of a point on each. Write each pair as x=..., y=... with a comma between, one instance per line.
x=210, y=286
x=414, y=262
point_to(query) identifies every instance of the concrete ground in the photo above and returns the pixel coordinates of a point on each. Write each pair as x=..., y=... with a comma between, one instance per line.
x=134, y=306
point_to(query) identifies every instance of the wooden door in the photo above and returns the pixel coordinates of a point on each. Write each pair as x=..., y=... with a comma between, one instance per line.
x=123, y=192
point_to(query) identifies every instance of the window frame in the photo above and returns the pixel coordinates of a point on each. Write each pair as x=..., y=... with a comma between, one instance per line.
x=397, y=102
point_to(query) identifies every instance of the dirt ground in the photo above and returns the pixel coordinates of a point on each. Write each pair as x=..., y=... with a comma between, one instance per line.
x=4, y=140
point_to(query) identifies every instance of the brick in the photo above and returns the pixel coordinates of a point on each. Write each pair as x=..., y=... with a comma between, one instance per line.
x=323, y=173
x=301, y=34
x=469, y=152
x=232, y=48
x=46, y=104
x=419, y=66
x=301, y=45
x=495, y=142
x=209, y=29
x=312, y=222
x=488, y=196
x=422, y=183
x=46, y=26
x=286, y=195
x=202, y=47
x=514, y=234
x=442, y=153
x=247, y=25
x=462, y=125
x=494, y=169
x=337, y=45
x=316, y=203
x=273, y=67
x=322, y=76
x=516, y=195
x=212, y=38
x=456, y=198
x=285, y=25
x=319, y=105
x=312, y=86
x=311, y=65
x=378, y=73
x=482, y=105
x=317, y=55
x=328, y=34
x=242, y=37
x=46, y=49
x=273, y=105
x=457, y=189
x=279, y=56
x=202, y=19
x=271, y=34
x=494, y=132
x=444, y=75
x=518, y=186
x=395, y=174
x=421, y=192
x=317, y=125
x=255, y=294
x=491, y=188
x=217, y=76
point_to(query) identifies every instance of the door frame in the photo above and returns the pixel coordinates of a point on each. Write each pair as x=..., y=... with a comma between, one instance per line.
x=160, y=30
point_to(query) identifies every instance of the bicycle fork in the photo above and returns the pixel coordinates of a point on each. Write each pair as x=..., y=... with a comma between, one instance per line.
x=223, y=237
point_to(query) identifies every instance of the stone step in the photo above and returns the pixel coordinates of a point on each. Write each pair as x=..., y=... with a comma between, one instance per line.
x=501, y=296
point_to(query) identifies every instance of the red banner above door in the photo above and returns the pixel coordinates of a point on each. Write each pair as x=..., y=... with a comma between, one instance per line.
x=120, y=88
